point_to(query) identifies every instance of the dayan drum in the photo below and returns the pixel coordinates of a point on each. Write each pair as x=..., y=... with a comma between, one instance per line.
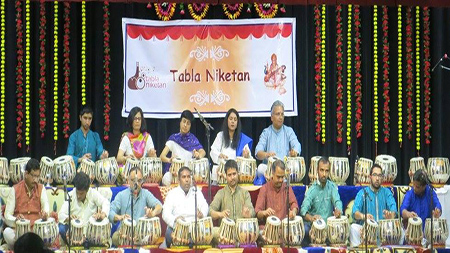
x=180, y=233
x=106, y=171
x=318, y=232
x=130, y=163
x=388, y=166
x=200, y=170
x=125, y=233
x=362, y=171
x=438, y=170
x=22, y=227
x=296, y=167
x=17, y=168
x=247, y=231
x=440, y=231
x=272, y=231
x=98, y=233
x=296, y=230
x=88, y=166
x=148, y=230
x=46, y=166
x=338, y=230
x=64, y=166
x=414, y=233
x=340, y=169
x=390, y=231
x=4, y=171
x=372, y=232
x=151, y=169
x=76, y=232
x=47, y=230
x=175, y=166
x=313, y=173
x=221, y=175
x=268, y=172
x=204, y=231
x=415, y=164
x=227, y=232
x=247, y=169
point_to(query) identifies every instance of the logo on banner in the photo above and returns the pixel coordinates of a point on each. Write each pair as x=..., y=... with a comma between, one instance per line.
x=143, y=78
x=274, y=76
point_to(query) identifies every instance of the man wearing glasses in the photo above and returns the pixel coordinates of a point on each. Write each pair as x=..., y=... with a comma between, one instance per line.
x=144, y=203
x=380, y=205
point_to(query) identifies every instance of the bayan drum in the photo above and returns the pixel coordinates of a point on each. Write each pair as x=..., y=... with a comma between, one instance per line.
x=415, y=164
x=313, y=173
x=390, y=231
x=221, y=175
x=204, y=231
x=272, y=231
x=340, y=169
x=47, y=230
x=106, y=171
x=414, y=233
x=125, y=232
x=17, y=168
x=440, y=231
x=362, y=171
x=76, y=233
x=148, y=231
x=372, y=231
x=200, y=170
x=22, y=227
x=227, y=232
x=438, y=170
x=88, y=166
x=296, y=167
x=99, y=232
x=338, y=231
x=247, y=230
x=268, y=172
x=4, y=170
x=46, y=166
x=246, y=169
x=296, y=230
x=151, y=169
x=130, y=163
x=175, y=166
x=318, y=232
x=180, y=233
x=388, y=166
x=64, y=167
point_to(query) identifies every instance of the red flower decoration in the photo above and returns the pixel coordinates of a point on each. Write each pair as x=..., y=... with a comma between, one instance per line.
x=42, y=68
x=19, y=73
x=339, y=74
x=106, y=71
x=317, y=68
x=409, y=73
x=387, y=99
x=358, y=75
x=66, y=70
x=427, y=74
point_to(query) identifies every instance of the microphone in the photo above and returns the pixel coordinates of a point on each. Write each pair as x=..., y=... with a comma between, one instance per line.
x=440, y=60
x=202, y=119
x=367, y=194
x=65, y=185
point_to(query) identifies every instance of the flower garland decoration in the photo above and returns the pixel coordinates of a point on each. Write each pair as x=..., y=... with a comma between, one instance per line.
x=106, y=70
x=19, y=73
x=2, y=72
x=27, y=73
x=387, y=99
x=165, y=10
x=249, y=8
x=83, y=52
x=198, y=11
x=181, y=8
x=323, y=60
x=375, y=72
x=409, y=73
x=55, y=73
x=418, y=78
x=400, y=74
x=266, y=10
x=426, y=74
x=232, y=11
x=317, y=68
x=42, y=67
x=349, y=77
x=66, y=63
x=358, y=75
x=339, y=73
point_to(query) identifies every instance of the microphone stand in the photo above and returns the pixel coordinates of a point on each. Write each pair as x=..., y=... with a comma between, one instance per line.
x=68, y=199
x=288, y=173
x=366, y=196
x=195, y=217
x=431, y=210
x=132, y=213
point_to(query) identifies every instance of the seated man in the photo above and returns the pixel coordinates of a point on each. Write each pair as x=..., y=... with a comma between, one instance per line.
x=380, y=205
x=27, y=200
x=322, y=199
x=86, y=202
x=180, y=203
x=144, y=203
x=232, y=201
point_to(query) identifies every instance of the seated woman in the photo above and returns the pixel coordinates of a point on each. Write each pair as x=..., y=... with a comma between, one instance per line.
x=183, y=145
x=230, y=142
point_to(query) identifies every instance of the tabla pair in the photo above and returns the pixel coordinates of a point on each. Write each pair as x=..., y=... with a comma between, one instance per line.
x=184, y=230
x=245, y=166
x=46, y=229
x=243, y=231
x=146, y=231
x=336, y=230
x=295, y=165
x=414, y=232
x=388, y=230
x=151, y=168
x=199, y=168
x=97, y=232
x=277, y=231
x=339, y=169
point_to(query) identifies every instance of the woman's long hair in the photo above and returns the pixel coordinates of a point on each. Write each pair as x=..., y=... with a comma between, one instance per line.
x=130, y=120
x=226, y=133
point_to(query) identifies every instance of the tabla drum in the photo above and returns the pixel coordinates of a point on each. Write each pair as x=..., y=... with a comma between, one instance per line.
x=440, y=231
x=372, y=232
x=17, y=168
x=247, y=169
x=46, y=166
x=340, y=169
x=204, y=231
x=438, y=170
x=88, y=166
x=221, y=175
x=272, y=231
x=130, y=163
x=200, y=170
x=313, y=173
x=318, y=232
x=296, y=167
x=415, y=164
x=4, y=170
x=388, y=166
x=247, y=230
x=296, y=230
x=268, y=172
x=76, y=232
x=390, y=231
x=227, y=232
x=338, y=231
x=151, y=169
x=175, y=166
x=414, y=233
x=125, y=232
x=47, y=230
x=98, y=233
x=22, y=227
x=362, y=171
x=148, y=231
x=64, y=166
x=106, y=171
x=180, y=233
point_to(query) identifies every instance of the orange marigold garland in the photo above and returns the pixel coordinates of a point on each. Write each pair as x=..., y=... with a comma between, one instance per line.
x=66, y=63
x=409, y=74
x=317, y=68
x=106, y=70
x=19, y=72
x=198, y=11
x=358, y=75
x=426, y=74
x=387, y=99
x=165, y=10
x=339, y=74
x=232, y=11
x=42, y=68
x=266, y=10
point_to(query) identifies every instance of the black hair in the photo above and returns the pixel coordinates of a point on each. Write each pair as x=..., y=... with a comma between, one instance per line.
x=86, y=109
x=135, y=168
x=230, y=164
x=32, y=164
x=278, y=163
x=324, y=160
x=420, y=177
x=29, y=243
x=226, y=133
x=187, y=115
x=130, y=119
x=81, y=181
x=183, y=169
x=375, y=166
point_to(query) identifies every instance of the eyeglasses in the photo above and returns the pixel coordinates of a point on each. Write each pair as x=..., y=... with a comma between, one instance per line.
x=137, y=119
x=377, y=175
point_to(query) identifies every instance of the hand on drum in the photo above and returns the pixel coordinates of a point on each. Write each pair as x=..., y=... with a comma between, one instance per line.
x=337, y=213
x=246, y=212
x=225, y=213
x=268, y=212
x=104, y=155
x=151, y=152
x=20, y=217
x=292, y=214
x=44, y=215
x=270, y=154
x=369, y=217
x=199, y=214
x=222, y=156
x=246, y=153
x=149, y=212
x=195, y=154
x=316, y=217
x=388, y=214
x=293, y=153
x=411, y=214
x=99, y=216
x=436, y=213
